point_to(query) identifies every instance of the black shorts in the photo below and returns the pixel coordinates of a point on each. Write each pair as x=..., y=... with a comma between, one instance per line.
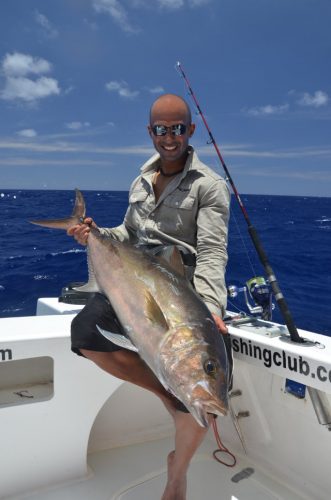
x=84, y=332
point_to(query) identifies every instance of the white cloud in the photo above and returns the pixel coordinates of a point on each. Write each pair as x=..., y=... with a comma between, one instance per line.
x=320, y=175
x=73, y=147
x=92, y=25
x=171, y=4
x=18, y=64
x=46, y=161
x=29, y=90
x=27, y=132
x=77, y=125
x=268, y=110
x=69, y=90
x=177, y=4
x=197, y=3
x=122, y=88
x=318, y=99
x=246, y=151
x=16, y=68
x=46, y=144
x=116, y=11
x=48, y=30
x=156, y=90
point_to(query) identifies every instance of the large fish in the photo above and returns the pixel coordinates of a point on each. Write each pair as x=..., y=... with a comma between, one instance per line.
x=165, y=320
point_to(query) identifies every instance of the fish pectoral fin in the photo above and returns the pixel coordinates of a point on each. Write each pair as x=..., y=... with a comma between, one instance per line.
x=153, y=311
x=92, y=284
x=118, y=339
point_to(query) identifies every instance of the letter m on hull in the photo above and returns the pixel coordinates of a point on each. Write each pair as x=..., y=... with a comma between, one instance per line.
x=6, y=354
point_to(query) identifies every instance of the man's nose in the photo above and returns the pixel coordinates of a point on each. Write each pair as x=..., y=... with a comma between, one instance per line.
x=169, y=134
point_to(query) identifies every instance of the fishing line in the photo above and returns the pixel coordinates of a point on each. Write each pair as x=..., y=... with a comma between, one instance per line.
x=279, y=297
x=222, y=448
x=235, y=307
x=244, y=244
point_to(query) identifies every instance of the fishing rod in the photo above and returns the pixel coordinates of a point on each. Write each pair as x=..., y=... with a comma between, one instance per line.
x=279, y=297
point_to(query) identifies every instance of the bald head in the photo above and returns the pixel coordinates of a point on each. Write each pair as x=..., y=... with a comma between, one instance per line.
x=170, y=107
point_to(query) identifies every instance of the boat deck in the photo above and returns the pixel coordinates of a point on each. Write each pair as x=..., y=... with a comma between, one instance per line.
x=138, y=472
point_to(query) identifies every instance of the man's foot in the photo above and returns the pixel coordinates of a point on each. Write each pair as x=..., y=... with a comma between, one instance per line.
x=176, y=486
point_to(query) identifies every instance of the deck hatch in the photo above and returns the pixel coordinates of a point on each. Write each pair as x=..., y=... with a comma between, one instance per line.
x=26, y=381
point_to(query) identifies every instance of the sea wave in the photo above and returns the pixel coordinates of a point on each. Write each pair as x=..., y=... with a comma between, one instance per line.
x=42, y=277
x=73, y=250
x=295, y=233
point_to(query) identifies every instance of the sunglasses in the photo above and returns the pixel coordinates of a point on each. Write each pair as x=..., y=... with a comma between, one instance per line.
x=178, y=129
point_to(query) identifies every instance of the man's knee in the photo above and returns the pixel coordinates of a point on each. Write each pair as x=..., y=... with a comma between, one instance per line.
x=118, y=359
x=97, y=357
x=86, y=353
x=76, y=324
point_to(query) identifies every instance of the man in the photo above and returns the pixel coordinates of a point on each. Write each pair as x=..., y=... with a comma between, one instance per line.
x=179, y=201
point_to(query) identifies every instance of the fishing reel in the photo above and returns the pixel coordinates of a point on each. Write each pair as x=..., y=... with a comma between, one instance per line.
x=257, y=289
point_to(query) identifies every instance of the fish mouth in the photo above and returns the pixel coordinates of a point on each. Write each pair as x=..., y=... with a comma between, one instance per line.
x=202, y=401
x=200, y=411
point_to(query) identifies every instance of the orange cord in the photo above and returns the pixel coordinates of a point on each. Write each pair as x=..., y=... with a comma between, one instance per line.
x=221, y=447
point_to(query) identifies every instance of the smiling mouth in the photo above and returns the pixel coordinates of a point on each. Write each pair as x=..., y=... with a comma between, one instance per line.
x=169, y=148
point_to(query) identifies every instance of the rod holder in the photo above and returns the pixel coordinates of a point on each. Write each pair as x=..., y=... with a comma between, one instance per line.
x=235, y=393
x=243, y=414
x=321, y=406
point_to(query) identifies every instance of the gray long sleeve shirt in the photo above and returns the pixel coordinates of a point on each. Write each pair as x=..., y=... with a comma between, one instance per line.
x=192, y=212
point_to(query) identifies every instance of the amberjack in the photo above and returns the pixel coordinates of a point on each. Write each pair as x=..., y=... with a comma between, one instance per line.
x=165, y=321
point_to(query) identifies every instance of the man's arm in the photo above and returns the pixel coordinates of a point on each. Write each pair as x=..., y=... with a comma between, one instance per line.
x=212, y=238
x=81, y=231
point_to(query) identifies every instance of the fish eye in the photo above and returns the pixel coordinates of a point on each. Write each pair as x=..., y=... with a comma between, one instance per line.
x=211, y=367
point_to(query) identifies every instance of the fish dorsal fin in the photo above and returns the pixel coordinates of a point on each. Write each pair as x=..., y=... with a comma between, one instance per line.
x=172, y=256
x=154, y=312
x=176, y=261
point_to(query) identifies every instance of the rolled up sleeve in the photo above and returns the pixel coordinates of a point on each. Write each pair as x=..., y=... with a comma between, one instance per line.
x=123, y=233
x=212, y=238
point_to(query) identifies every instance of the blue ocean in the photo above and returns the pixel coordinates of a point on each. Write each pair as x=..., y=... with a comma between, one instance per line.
x=295, y=232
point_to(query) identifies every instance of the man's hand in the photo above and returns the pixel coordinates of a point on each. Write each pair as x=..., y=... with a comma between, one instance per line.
x=81, y=231
x=223, y=329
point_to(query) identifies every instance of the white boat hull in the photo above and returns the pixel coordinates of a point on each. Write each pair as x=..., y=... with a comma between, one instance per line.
x=59, y=413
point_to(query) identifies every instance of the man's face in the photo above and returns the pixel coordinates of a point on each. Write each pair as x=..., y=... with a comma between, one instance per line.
x=171, y=147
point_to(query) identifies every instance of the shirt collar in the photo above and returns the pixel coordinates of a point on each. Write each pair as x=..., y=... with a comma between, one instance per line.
x=151, y=165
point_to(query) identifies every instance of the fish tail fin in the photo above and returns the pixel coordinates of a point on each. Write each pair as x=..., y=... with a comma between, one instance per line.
x=77, y=216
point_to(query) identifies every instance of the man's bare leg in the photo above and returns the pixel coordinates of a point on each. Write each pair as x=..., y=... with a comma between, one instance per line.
x=189, y=435
x=128, y=366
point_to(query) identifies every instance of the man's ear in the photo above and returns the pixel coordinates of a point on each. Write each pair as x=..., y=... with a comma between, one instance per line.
x=149, y=128
x=192, y=129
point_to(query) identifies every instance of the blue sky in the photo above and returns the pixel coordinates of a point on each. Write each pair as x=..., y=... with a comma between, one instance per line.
x=77, y=78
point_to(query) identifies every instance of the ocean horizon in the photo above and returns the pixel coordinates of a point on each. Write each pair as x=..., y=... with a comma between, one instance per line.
x=295, y=232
